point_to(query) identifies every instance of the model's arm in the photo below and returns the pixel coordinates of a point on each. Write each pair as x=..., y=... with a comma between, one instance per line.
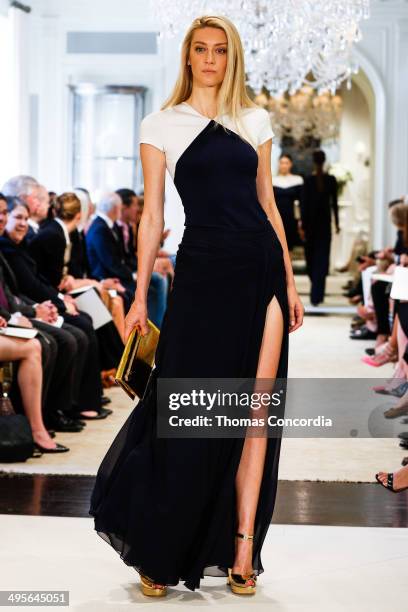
x=267, y=200
x=150, y=232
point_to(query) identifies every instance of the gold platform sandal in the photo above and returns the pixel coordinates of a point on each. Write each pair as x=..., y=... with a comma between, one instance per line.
x=242, y=584
x=151, y=588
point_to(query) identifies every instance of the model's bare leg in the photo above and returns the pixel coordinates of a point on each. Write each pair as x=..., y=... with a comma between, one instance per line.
x=29, y=376
x=250, y=471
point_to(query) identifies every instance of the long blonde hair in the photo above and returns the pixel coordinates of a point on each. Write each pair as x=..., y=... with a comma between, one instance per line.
x=232, y=96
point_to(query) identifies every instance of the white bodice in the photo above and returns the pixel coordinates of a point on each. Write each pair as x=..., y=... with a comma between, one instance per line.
x=173, y=129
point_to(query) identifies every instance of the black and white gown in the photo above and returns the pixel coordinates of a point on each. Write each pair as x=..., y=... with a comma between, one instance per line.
x=288, y=188
x=168, y=506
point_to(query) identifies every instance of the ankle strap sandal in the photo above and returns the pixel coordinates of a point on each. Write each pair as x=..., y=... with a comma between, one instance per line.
x=242, y=584
x=151, y=588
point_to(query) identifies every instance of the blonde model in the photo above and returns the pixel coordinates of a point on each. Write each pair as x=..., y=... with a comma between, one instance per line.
x=184, y=508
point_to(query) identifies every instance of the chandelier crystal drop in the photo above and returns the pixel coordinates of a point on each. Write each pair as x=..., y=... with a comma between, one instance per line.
x=287, y=44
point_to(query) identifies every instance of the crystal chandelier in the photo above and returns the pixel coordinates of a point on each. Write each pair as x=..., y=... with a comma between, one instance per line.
x=304, y=114
x=287, y=43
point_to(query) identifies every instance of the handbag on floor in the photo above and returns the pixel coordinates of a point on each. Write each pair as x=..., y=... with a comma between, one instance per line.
x=137, y=361
x=16, y=439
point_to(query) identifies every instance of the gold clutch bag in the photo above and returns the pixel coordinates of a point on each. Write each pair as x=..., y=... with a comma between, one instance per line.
x=137, y=361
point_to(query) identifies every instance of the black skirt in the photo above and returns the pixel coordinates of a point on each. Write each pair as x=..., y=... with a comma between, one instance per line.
x=168, y=506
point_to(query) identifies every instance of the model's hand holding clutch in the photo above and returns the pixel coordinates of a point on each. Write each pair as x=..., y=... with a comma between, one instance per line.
x=141, y=338
x=136, y=317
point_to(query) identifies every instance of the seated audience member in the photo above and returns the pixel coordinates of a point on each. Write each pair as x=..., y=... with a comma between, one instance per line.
x=399, y=386
x=126, y=228
x=51, y=250
x=52, y=210
x=58, y=396
x=35, y=196
x=27, y=353
x=79, y=265
x=390, y=316
x=79, y=272
x=88, y=207
x=126, y=225
x=88, y=386
x=104, y=249
x=375, y=316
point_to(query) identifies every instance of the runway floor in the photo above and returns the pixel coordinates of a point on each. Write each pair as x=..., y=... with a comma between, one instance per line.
x=308, y=568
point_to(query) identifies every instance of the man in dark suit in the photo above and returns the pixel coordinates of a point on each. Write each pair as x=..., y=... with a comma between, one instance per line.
x=126, y=223
x=105, y=249
x=125, y=228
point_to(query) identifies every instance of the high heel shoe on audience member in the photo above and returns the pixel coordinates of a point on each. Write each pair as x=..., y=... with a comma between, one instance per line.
x=389, y=482
x=400, y=408
x=102, y=414
x=363, y=334
x=242, y=584
x=151, y=588
x=58, y=421
x=59, y=448
x=398, y=391
x=387, y=354
x=398, y=377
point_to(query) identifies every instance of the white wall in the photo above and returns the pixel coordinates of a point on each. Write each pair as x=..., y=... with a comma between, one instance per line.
x=357, y=155
x=383, y=51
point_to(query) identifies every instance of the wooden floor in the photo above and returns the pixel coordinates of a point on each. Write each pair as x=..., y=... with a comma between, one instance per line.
x=298, y=502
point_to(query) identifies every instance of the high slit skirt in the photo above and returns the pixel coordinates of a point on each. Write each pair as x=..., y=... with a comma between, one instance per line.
x=168, y=505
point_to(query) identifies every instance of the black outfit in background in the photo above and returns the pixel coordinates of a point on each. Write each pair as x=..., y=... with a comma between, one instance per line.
x=47, y=248
x=380, y=293
x=78, y=265
x=88, y=384
x=400, y=248
x=285, y=198
x=129, y=247
x=316, y=211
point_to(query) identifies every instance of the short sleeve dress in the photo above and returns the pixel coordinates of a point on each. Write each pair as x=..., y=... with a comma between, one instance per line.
x=168, y=505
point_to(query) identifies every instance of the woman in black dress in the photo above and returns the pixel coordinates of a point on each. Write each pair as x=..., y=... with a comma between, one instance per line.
x=319, y=199
x=173, y=507
x=288, y=188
